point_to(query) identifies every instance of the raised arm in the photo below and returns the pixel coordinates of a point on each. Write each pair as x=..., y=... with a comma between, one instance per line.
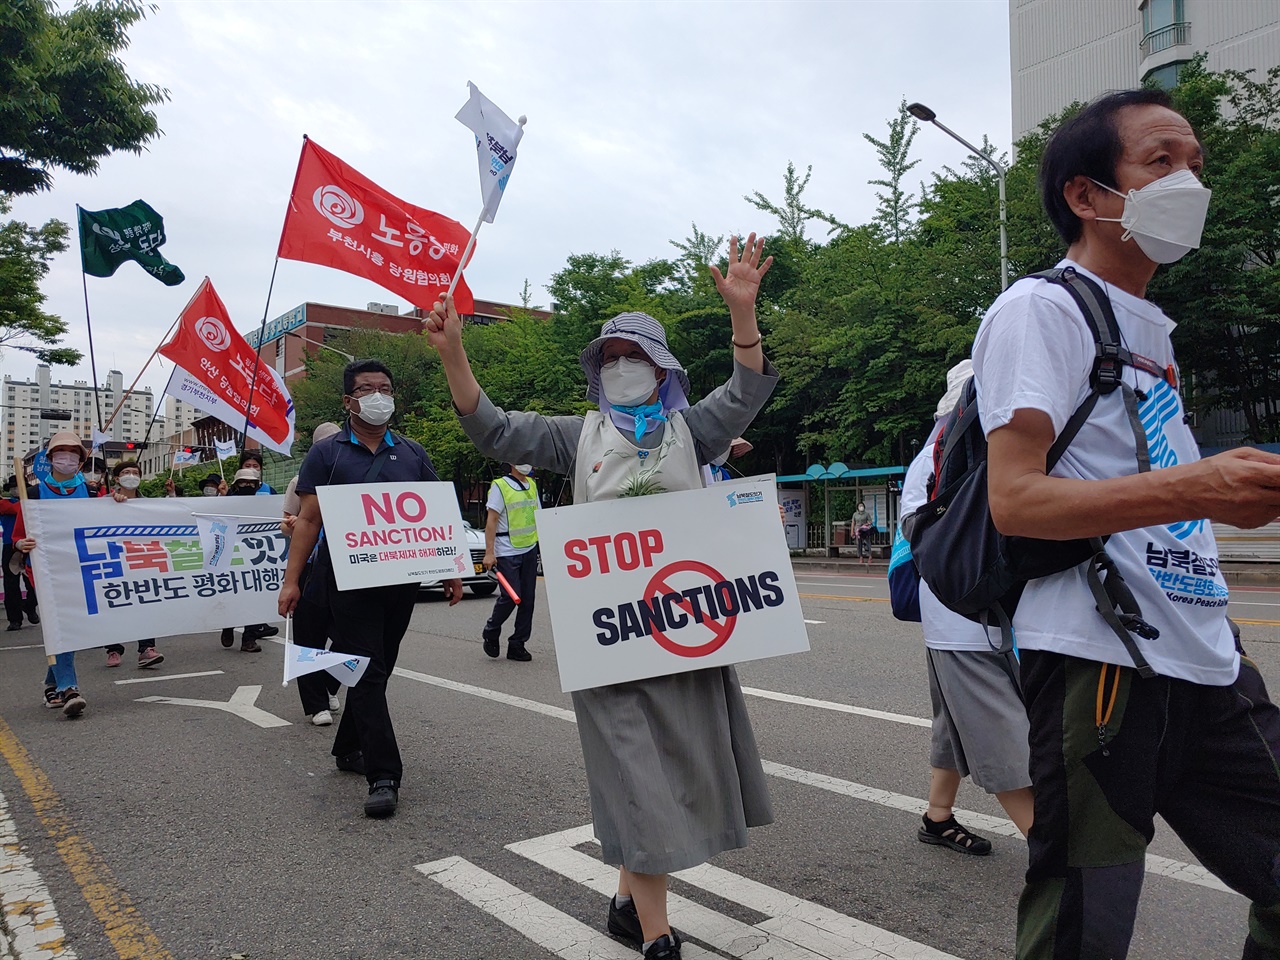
x=738, y=287
x=444, y=332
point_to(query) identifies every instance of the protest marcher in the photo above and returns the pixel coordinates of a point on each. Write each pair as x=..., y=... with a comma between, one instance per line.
x=210, y=486
x=511, y=545
x=1125, y=724
x=252, y=460
x=95, y=477
x=372, y=621
x=979, y=721
x=66, y=454
x=247, y=482
x=318, y=691
x=128, y=477
x=671, y=762
x=15, y=605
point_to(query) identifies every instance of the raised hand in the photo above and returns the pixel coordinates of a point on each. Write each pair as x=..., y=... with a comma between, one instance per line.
x=740, y=282
x=443, y=325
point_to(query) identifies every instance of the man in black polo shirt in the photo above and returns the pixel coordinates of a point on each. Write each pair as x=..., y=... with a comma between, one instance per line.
x=369, y=622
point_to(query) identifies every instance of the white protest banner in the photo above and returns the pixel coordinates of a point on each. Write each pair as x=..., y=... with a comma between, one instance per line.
x=381, y=534
x=112, y=572
x=649, y=586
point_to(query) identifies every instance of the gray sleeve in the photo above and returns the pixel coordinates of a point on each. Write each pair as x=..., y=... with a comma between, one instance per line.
x=521, y=437
x=725, y=413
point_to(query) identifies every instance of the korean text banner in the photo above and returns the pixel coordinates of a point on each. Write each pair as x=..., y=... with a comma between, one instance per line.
x=213, y=356
x=112, y=572
x=339, y=218
x=110, y=237
x=381, y=534
x=649, y=586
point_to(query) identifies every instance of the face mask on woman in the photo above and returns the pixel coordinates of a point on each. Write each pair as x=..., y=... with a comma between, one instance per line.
x=130, y=481
x=627, y=381
x=65, y=463
x=210, y=491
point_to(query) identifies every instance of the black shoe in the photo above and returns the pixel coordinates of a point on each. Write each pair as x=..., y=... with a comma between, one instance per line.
x=950, y=834
x=228, y=636
x=664, y=948
x=250, y=646
x=33, y=617
x=384, y=796
x=624, y=923
x=491, y=647
x=266, y=631
x=516, y=651
x=351, y=763
x=17, y=625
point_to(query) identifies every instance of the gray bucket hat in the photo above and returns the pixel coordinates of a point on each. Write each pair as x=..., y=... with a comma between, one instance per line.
x=639, y=328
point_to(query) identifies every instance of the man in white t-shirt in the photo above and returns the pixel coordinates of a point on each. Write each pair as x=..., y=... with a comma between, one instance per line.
x=1199, y=742
x=511, y=545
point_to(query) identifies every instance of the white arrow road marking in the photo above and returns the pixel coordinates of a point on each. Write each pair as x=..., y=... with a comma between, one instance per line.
x=796, y=929
x=815, y=621
x=241, y=704
x=31, y=928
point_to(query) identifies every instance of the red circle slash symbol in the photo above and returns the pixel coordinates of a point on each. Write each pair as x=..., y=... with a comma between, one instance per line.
x=721, y=630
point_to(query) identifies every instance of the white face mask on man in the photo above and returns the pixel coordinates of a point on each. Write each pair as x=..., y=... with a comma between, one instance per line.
x=627, y=382
x=376, y=408
x=1166, y=217
x=130, y=481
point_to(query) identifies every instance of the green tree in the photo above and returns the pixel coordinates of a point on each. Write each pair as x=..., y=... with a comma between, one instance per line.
x=24, y=262
x=67, y=100
x=896, y=206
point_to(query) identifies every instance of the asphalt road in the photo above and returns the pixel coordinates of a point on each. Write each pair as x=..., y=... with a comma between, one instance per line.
x=169, y=830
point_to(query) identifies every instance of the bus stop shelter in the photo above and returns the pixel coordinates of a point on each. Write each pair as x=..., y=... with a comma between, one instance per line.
x=838, y=477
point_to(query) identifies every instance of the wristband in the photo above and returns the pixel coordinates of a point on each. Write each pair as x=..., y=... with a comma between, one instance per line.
x=747, y=346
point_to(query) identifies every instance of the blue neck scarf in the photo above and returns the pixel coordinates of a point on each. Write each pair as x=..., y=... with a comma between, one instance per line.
x=64, y=486
x=646, y=416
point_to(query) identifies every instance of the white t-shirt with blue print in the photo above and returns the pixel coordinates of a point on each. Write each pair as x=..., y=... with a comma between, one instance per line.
x=1034, y=350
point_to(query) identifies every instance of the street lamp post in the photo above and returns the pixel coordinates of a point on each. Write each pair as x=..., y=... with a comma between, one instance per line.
x=921, y=112
x=322, y=346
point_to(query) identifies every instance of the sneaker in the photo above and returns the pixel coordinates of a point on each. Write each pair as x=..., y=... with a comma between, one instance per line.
x=491, y=647
x=51, y=698
x=260, y=630
x=334, y=703
x=149, y=658
x=322, y=718
x=72, y=703
x=33, y=617
x=351, y=763
x=384, y=797
x=624, y=923
x=228, y=636
x=14, y=625
x=250, y=646
x=664, y=948
x=516, y=651
x=113, y=658
x=950, y=834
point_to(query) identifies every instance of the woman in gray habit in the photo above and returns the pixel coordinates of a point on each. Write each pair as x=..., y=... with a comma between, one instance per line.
x=672, y=763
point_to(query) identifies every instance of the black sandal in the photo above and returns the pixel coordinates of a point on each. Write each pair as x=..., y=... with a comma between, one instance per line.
x=950, y=834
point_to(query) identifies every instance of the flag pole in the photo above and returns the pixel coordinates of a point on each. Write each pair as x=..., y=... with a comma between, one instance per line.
x=168, y=333
x=466, y=254
x=257, y=359
x=84, y=281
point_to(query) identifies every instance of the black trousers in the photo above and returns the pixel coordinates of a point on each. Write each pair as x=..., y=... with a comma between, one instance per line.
x=371, y=623
x=521, y=572
x=14, y=605
x=311, y=629
x=1110, y=750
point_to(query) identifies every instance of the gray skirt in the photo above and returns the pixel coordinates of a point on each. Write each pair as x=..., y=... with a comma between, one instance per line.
x=979, y=721
x=673, y=769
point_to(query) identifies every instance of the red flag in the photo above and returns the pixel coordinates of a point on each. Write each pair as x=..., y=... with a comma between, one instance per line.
x=339, y=218
x=219, y=366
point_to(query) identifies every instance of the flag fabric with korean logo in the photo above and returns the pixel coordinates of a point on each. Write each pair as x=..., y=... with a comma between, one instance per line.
x=216, y=373
x=110, y=237
x=224, y=449
x=497, y=137
x=346, y=668
x=185, y=458
x=339, y=218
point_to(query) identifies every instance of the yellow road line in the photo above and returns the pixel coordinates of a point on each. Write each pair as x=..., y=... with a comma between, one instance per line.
x=1257, y=623
x=129, y=934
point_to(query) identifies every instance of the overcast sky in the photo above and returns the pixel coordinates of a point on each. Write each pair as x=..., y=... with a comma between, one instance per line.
x=643, y=118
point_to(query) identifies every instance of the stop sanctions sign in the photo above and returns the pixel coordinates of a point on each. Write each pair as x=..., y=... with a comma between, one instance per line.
x=644, y=587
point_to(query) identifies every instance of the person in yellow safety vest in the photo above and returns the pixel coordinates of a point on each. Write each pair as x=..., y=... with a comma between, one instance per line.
x=511, y=544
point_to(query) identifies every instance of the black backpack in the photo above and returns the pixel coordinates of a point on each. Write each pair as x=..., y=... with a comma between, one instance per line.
x=978, y=572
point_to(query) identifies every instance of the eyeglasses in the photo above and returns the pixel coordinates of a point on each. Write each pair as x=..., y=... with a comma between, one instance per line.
x=366, y=390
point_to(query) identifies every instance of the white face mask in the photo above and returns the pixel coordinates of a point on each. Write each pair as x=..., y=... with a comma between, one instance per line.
x=376, y=408
x=65, y=463
x=210, y=491
x=627, y=382
x=524, y=469
x=1166, y=217
x=129, y=481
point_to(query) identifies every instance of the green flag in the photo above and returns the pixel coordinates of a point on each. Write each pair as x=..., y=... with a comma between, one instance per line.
x=110, y=237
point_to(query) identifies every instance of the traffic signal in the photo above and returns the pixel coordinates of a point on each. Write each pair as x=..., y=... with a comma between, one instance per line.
x=133, y=446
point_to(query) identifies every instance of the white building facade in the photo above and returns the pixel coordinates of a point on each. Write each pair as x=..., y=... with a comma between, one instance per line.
x=34, y=410
x=1062, y=51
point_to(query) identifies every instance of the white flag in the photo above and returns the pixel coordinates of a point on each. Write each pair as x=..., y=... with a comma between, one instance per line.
x=217, y=541
x=224, y=450
x=186, y=458
x=99, y=438
x=496, y=140
x=347, y=668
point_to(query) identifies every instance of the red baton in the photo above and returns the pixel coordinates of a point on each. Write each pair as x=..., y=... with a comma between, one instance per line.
x=515, y=597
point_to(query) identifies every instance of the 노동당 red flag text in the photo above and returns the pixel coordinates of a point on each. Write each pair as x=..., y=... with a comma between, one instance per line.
x=339, y=218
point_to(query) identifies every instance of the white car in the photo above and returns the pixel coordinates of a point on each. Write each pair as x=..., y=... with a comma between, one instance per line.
x=480, y=582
